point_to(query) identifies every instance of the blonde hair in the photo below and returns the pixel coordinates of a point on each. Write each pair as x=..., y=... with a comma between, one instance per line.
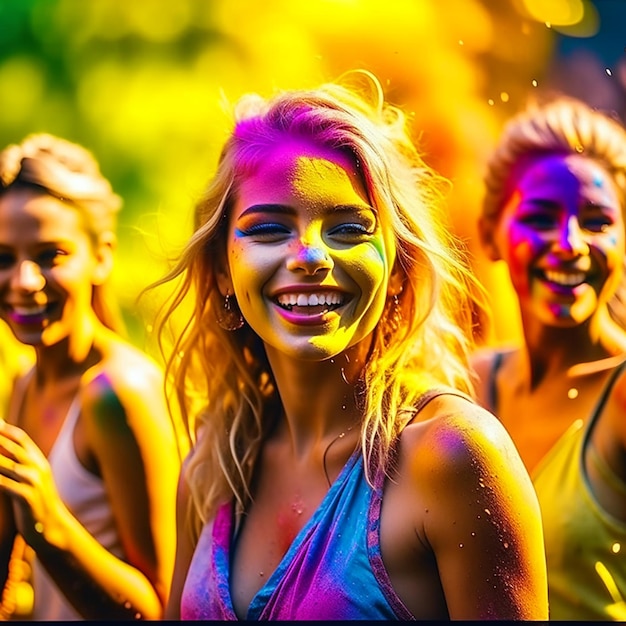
x=223, y=379
x=561, y=125
x=69, y=172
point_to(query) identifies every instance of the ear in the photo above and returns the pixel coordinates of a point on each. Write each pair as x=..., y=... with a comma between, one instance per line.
x=486, y=228
x=396, y=280
x=104, y=258
x=223, y=279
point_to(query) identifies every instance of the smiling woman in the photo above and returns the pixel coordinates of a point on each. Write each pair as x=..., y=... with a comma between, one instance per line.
x=88, y=458
x=321, y=229
x=554, y=213
x=339, y=468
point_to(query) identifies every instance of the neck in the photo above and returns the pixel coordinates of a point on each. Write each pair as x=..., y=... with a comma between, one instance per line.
x=69, y=357
x=319, y=398
x=551, y=351
x=566, y=353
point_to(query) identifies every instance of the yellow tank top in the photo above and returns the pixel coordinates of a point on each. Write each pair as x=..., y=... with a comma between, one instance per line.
x=585, y=546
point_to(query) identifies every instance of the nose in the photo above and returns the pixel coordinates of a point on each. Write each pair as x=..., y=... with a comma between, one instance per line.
x=28, y=277
x=571, y=239
x=310, y=258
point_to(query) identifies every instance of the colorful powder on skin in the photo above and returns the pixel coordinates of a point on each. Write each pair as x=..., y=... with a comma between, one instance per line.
x=379, y=246
x=311, y=255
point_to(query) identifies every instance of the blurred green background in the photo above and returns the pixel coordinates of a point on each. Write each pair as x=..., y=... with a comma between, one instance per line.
x=143, y=84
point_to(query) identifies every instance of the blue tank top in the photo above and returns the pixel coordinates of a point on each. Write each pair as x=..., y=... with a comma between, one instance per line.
x=333, y=570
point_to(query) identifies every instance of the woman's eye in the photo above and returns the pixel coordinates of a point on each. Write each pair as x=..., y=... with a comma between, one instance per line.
x=265, y=230
x=50, y=257
x=598, y=224
x=351, y=229
x=538, y=221
x=6, y=260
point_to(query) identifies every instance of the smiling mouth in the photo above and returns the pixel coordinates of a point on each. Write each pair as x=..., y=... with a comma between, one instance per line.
x=30, y=314
x=311, y=303
x=563, y=279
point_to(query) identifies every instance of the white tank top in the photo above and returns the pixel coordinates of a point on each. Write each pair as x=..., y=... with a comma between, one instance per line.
x=85, y=496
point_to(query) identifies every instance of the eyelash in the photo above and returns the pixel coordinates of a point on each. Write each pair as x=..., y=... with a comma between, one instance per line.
x=352, y=228
x=275, y=229
x=263, y=229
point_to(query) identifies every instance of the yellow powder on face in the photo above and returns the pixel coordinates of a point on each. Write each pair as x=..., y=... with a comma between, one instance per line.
x=317, y=180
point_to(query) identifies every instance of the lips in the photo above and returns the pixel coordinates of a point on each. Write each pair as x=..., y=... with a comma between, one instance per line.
x=28, y=314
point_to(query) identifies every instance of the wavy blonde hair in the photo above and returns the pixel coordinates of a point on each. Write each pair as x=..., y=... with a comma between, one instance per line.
x=69, y=172
x=560, y=125
x=224, y=383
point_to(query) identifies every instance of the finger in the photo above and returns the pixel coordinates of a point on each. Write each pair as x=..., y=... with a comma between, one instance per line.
x=19, y=445
x=15, y=433
x=16, y=488
x=11, y=450
x=8, y=466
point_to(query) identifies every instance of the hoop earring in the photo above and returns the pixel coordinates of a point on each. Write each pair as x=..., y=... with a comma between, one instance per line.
x=229, y=317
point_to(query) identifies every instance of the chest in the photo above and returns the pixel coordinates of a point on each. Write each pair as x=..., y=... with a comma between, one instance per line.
x=42, y=413
x=282, y=505
x=45, y=413
x=357, y=552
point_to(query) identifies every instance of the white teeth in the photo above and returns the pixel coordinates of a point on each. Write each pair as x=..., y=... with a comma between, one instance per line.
x=561, y=278
x=312, y=299
x=29, y=310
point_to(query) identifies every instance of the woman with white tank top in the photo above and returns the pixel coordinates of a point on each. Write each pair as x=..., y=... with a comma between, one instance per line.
x=88, y=454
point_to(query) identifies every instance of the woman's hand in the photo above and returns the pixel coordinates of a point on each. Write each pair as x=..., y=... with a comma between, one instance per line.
x=25, y=475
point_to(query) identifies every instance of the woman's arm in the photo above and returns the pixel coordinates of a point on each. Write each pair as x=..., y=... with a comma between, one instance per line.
x=483, y=522
x=131, y=439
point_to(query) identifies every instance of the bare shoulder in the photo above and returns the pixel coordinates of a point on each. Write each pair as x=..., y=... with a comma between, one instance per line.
x=124, y=368
x=458, y=440
x=468, y=499
x=128, y=366
x=455, y=415
x=126, y=384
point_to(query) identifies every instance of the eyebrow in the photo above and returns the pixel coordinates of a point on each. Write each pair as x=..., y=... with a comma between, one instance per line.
x=541, y=202
x=37, y=245
x=285, y=209
x=553, y=205
x=602, y=206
